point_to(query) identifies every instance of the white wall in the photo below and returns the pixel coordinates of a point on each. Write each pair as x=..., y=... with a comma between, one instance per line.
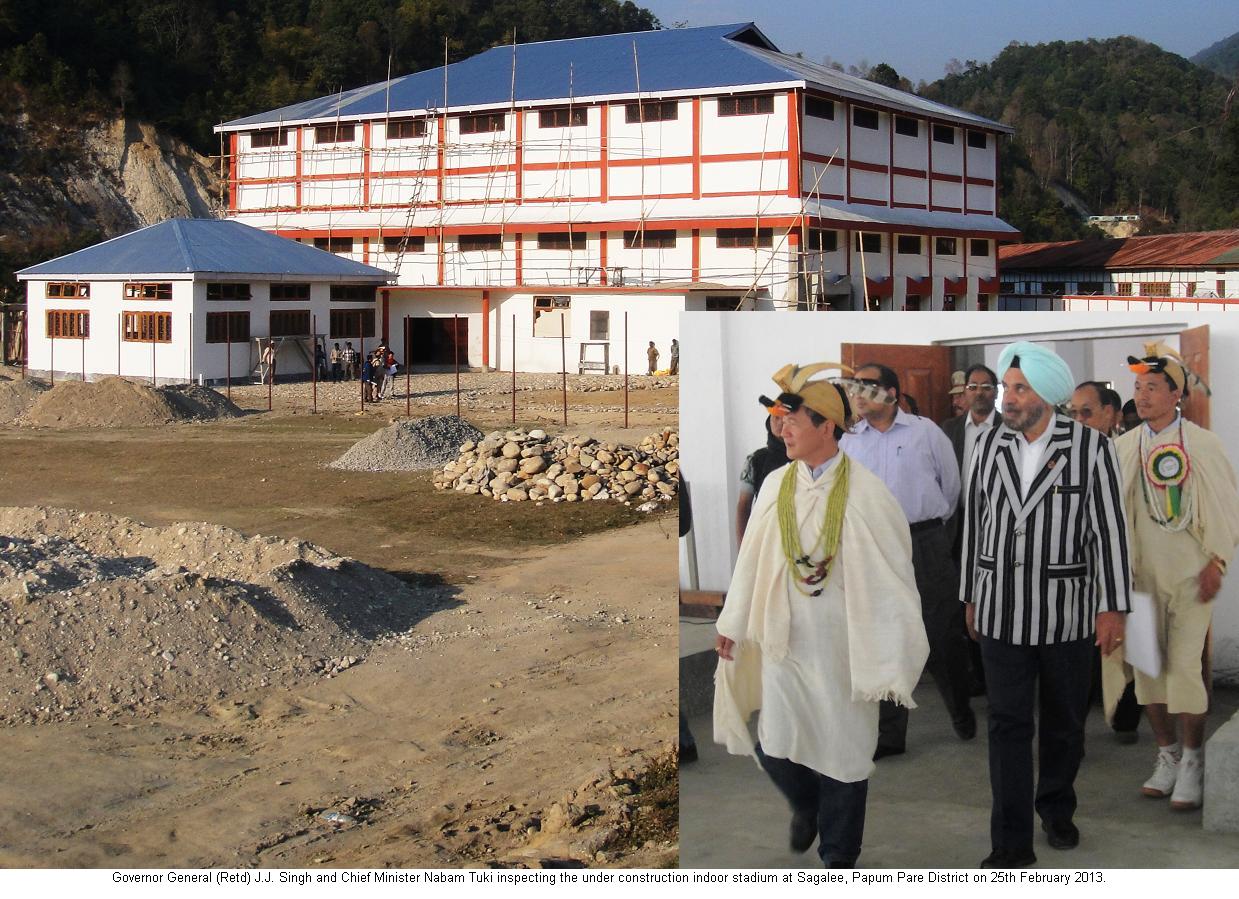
x=727, y=361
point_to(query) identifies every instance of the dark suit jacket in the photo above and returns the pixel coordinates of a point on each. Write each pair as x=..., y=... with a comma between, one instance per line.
x=954, y=428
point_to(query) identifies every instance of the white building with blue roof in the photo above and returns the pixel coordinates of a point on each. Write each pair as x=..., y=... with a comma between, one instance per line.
x=189, y=299
x=554, y=186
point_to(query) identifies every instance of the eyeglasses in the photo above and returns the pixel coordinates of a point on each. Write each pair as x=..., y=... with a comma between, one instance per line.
x=973, y=388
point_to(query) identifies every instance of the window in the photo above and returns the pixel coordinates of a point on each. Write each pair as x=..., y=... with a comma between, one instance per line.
x=978, y=247
x=468, y=243
x=353, y=293
x=268, y=137
x=944, y=134
x=977, y=140
x=865, y=118
x=1090, y=287
x=1054, y=288
x=758, y=104
x=908, y=244
x=147, y=327
x=405, y=129
x=135, y=290
x=551, y=316
x=352, y=323
x=1155, y=288
x=822, y=241
x=722, y=304
x=745, y=237
x=228, y=291
x=334, y=244
x=651, y=112
x=869, y=243
x=1190, y=289
x=334, y=134
x=483, y=124
x=68, y=323
x=227, y=327
x=945, y=246
x=63, y=290
x=416, y=244
x=283, y=292
x=289, y=322
x=907, y=127
x=819, y=108
x=561, y=240
x=1007, y=287
x=661, y=240
x=599, y=324
x=1122, y=289
x=563, y=117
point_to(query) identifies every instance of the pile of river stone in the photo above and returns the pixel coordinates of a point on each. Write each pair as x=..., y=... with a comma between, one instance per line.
x=515, y=466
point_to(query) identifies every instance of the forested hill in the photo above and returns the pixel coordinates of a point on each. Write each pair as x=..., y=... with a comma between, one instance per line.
x=187, y=65
x=1124, y=124
x=1222, y=57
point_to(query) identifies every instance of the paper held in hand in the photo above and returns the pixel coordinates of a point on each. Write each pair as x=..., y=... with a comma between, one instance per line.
x=1141, y=648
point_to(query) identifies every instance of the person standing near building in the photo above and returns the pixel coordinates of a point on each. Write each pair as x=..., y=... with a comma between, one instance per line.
x=913, y=458
x=1047, y=577
x=349, y=357
x=675, y=356
x=1183, y=515
x=336, y=363
x=651, y=354
x=1095, y=405
x=268, y=361
x=958, y=393
x=821, y=621
x=759, y=463
x=981, y=390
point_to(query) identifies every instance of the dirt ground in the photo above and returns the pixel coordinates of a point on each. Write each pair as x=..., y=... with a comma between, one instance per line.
x=526, y=722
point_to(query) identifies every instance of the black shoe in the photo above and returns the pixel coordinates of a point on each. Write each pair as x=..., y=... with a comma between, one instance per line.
x=1003, y=858
x=966, y=725
x=688, y=753
x=883, y=751
x=1061, y=834
x=804, y=831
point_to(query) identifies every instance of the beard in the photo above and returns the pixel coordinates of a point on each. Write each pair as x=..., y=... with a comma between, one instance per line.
x=1023, y=420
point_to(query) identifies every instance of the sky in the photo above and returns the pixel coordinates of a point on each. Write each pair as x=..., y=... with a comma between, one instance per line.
x=919, y=37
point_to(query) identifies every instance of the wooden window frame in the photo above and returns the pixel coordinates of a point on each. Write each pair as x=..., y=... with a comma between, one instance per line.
x=1158, y=289
x=977, y=140
x=67, y=324
x=354, y=293
x=745, y=105
x=289, y=292
x=396, y=129
x=650, y=239
x=416, y=244
x=483, y=123
x=902, y=123
x=146, y=327
x=651, y=111
x=743, y=238
x=596, y=317
x=1122, y=288
x=561, y=306
x=1054, y=288
x=562, y=240
x=866, y=112
x=814, y=107
x=943, y=134
x=563, y=117
x=148, y=290
x=343, y=322
x=973, y=243
x=863, y=241
x=290, y=321
x=479, y=243
x=267, y=138
x=813, y=245
x=228, y=327
x=341, y=133
x=67, y=290
x=334, y=245
x=218, y=291
x=901, y=240
x=1090, y=288
x=940, y=246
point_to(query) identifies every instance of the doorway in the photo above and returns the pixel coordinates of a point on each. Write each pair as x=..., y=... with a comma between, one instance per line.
x=438, y=341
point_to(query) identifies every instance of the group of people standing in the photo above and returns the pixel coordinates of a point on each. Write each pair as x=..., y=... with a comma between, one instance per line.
x=377, y=369
x=875, y=543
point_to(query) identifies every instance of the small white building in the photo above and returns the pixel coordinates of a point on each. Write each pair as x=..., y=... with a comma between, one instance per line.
x=189, y=299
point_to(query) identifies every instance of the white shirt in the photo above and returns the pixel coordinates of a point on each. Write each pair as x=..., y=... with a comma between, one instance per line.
x=972, y=432
x=1032, y=454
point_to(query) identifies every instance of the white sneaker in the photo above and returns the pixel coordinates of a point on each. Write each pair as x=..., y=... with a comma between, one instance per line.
x=1165, y=774
x=1189, y=788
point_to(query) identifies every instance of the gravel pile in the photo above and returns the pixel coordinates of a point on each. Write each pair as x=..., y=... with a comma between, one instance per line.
x=514, y=466
x=17, y=396
x=118, y=403
x=410, y=445
x=102, y=616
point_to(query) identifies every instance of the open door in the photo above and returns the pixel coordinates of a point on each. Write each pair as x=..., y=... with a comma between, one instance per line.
x=1194, y=348
x=924, y=373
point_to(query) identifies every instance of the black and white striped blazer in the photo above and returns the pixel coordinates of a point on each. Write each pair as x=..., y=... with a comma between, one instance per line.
x=1040, y=569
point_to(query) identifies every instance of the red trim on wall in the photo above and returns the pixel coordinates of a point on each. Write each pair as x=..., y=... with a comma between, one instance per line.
x=485, y=328
x=441, y=167
x=819, y=157
x=233, y=172
x=910, y=173
x=365, y=250
x=890, y=165
x=520, y=258
x=365, y=164
x=943, y=176
x=520, y=159
x=696, y=149
x=696, y=238
x=604, y=153
x=868, y=202
x=964, y=135
x=847, y=153
x=794, y=163
x=980, y=211
x=297, y=167
x=929, y=165
x=945, y=209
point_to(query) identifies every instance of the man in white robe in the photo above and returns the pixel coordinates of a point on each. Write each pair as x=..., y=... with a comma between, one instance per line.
x=819, y=625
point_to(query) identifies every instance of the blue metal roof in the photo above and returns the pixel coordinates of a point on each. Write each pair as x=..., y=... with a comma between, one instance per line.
x=205, y=246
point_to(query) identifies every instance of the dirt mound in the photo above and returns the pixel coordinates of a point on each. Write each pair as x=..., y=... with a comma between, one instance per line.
x=410, y=445
x=104, y=616
x=116, y=402
x=17, y=396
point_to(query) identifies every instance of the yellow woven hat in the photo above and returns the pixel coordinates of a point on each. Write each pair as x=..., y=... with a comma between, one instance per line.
x=821, y=396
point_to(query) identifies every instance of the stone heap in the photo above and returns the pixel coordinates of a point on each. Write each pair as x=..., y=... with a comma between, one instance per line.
x=514, y=466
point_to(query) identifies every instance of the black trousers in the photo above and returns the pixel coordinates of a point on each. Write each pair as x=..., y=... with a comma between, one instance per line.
x=839, y=806
x=1012, y=674
x=937, y=580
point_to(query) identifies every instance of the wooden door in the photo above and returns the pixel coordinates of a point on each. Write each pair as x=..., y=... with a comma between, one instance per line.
x=1194, y=348
x=924, y=372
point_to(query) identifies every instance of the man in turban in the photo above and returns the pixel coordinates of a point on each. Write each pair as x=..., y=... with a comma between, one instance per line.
x=821, y=622
x=1183, y=517
x=1046, y=578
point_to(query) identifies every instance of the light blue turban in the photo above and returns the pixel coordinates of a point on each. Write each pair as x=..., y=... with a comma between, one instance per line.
x=1044, y=369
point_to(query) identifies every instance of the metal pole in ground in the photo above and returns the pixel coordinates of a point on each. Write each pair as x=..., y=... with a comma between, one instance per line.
x=228, y=352
x=625, y=368
x=456, y=357
x=154, y=324
x=82, y=337
x=563, y=362
x=361, y=357
x=120, y=329
x=314, y=354
x=51, y=362
x=513, y=369
x=408, y=377
x=270, y=376
x=26, y=341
